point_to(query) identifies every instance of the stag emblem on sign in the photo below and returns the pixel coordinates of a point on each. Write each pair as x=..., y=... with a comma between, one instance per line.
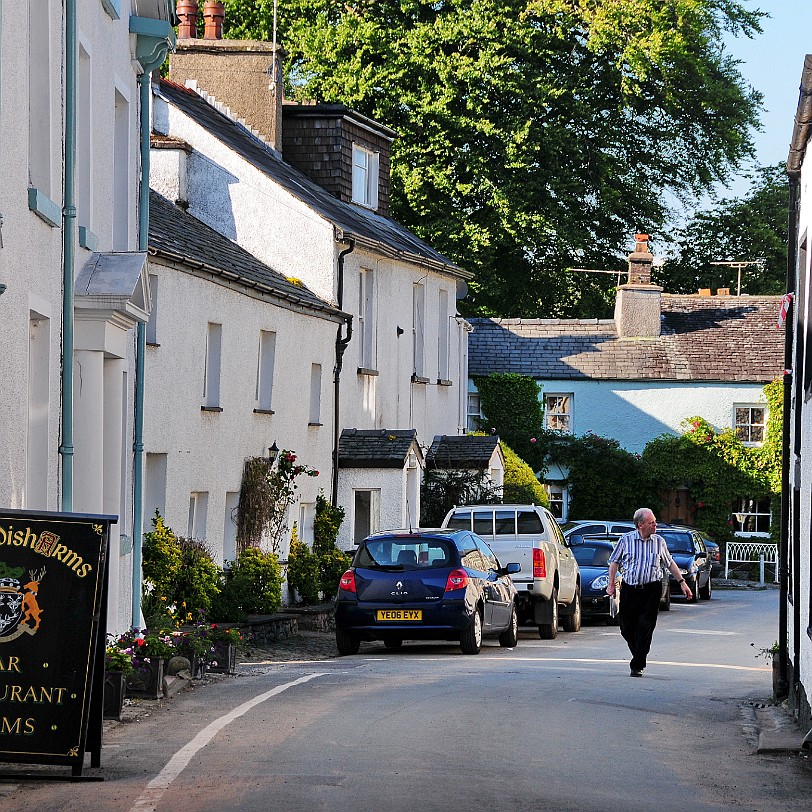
x=20, y=611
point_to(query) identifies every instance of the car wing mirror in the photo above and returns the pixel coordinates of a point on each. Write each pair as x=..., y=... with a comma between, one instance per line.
x=511, y=569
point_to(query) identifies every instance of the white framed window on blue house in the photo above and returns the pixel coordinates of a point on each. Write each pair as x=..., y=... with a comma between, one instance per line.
x=473, y=417
x=750, y=422
x=752, y=517
x=558, y=412
x=558, y=500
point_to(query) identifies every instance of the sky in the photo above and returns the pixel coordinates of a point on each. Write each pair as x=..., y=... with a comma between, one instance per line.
x=772, y=63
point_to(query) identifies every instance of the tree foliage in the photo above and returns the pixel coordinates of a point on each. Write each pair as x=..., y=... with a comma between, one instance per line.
x=749, y=228
x=520, y=485
x=535, y=135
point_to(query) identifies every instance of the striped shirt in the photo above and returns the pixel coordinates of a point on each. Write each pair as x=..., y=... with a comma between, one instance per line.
x=641, y=560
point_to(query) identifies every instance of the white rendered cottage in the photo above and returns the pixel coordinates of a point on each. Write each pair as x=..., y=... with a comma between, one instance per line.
x=313, y=205
x=73, y=292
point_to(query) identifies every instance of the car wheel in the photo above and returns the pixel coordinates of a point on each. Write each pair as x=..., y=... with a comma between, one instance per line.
x=510, y=636
x=694, y=587
x=549, y=631
x=665, y=603
x=471, y=638
x=393, y=642
x=706, y=591
x=346, y=642
x=572, y=622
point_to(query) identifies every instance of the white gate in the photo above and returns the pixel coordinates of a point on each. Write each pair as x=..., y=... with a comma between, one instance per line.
x=746, y=552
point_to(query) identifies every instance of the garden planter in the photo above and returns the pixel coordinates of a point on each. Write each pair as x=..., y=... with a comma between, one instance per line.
x=114, y=687
x=147, y=681
x=225, y=657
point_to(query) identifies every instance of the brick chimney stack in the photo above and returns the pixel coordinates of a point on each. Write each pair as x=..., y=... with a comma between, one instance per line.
x=243, y=75
x=637, y=307
x=187, y=14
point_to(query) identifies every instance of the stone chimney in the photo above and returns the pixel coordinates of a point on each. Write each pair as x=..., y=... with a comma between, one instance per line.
x=637, y=307
x=243, y=75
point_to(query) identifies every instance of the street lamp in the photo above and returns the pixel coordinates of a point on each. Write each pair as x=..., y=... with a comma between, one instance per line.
x=740, y=517
x=273, y=453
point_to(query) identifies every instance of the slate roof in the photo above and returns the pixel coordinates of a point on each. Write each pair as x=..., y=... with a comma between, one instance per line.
x=703, y=338
x=375, y=448
x=461, y=452
x=363, y=225
x=178, y=236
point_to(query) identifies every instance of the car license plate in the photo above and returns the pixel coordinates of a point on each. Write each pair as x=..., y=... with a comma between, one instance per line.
x=400, y=614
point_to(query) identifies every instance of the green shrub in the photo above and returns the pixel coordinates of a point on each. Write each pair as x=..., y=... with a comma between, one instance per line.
x=332, y=565
x=253, y=586
x=303, y=570
x=331, y=562
x=162, y=558
x=198, y=580
x=520, y=485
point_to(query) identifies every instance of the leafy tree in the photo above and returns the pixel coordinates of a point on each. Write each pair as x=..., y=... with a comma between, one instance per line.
x=444, y=488
x=748, y=228
x=535, y=135
x=521, y=486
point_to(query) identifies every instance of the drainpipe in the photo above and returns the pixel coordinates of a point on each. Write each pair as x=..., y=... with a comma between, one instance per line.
x=783, y=548
x=68, y=254
x=144, y=86
x=154, y=38
x=341, y=345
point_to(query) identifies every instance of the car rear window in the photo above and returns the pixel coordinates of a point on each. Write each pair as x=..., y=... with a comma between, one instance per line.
x=413, y=553
x=460, y=521
x=528, y=521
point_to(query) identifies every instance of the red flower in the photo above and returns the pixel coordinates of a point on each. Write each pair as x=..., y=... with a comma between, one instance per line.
x=532, y=439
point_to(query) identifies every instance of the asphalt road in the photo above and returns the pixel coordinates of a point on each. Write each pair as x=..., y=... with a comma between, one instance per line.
x=550, y=725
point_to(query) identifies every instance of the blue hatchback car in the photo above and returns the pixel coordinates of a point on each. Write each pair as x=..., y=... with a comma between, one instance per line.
x=426, y=585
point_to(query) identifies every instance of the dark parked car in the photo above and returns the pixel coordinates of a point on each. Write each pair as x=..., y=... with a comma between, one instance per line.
x=592, y=554
x=426, y=585
x=714, y=555
x=688, y=550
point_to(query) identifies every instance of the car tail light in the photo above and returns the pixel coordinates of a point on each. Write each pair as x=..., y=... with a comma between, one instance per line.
x=539, y=563
x=457, y=579
x=347, y=582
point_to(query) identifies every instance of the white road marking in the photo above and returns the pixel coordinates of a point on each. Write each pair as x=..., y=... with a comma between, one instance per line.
x=700, y=631
x=156, y=788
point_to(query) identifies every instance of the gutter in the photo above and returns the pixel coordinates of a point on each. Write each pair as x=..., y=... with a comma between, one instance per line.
x=803, y=122
x=341, y=346
x=154, y=38
x=68, y=255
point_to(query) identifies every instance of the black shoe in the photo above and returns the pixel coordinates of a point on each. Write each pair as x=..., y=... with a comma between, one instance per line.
x=635, y=673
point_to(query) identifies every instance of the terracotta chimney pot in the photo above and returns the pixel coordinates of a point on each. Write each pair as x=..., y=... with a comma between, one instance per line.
x=187, y=11
x=213, y=13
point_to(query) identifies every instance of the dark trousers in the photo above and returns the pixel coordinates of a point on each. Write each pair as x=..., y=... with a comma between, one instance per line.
x=638, y=617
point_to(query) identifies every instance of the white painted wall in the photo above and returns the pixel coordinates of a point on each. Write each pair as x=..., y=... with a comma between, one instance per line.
x=205, y=450
x=31, y=257
x=800, y=466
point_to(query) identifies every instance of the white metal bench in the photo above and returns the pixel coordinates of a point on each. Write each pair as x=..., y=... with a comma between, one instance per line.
x=751, y=552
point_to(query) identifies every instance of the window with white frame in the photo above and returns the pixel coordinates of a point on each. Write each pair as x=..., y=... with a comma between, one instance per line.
x=366, y=319
x=84, y=156
x=198, y=510
x=315, y=394
x=121, y=173
x=474, y=417
x=752, y=516
x=40, y=116
x=364, y=177
x=442, y=336
x=211, y=373
x=558, y=499
x=152, y=324
x=366, y=514
x=418, y=330
x=265, y=366
x=751, y=422
x=558, y=412
x=307, y=517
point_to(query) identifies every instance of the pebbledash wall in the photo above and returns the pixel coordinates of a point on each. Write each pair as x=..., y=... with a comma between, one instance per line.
x=634, y=413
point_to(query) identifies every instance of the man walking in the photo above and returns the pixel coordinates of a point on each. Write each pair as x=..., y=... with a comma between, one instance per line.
x=640, y=555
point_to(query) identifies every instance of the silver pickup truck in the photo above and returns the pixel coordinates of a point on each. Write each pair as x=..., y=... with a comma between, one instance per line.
x=549, y=584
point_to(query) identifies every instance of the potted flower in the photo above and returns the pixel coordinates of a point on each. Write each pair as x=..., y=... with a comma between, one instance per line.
x=193, y=645
x=118, y=664
x=222, y=652
x=149, y=651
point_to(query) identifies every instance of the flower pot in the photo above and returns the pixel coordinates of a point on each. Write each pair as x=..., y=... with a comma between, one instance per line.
x=223, y=658
x=147, y=681
x=114, y=687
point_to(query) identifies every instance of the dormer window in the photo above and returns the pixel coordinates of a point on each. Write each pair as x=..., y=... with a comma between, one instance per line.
x=364, y=177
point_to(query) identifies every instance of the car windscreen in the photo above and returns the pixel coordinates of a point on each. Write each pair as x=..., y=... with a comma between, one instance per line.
x=678, y=542
x=406, y=554
x=592, y=555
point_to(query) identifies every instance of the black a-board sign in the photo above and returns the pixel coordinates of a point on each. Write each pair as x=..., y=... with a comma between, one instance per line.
x=53, y=605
